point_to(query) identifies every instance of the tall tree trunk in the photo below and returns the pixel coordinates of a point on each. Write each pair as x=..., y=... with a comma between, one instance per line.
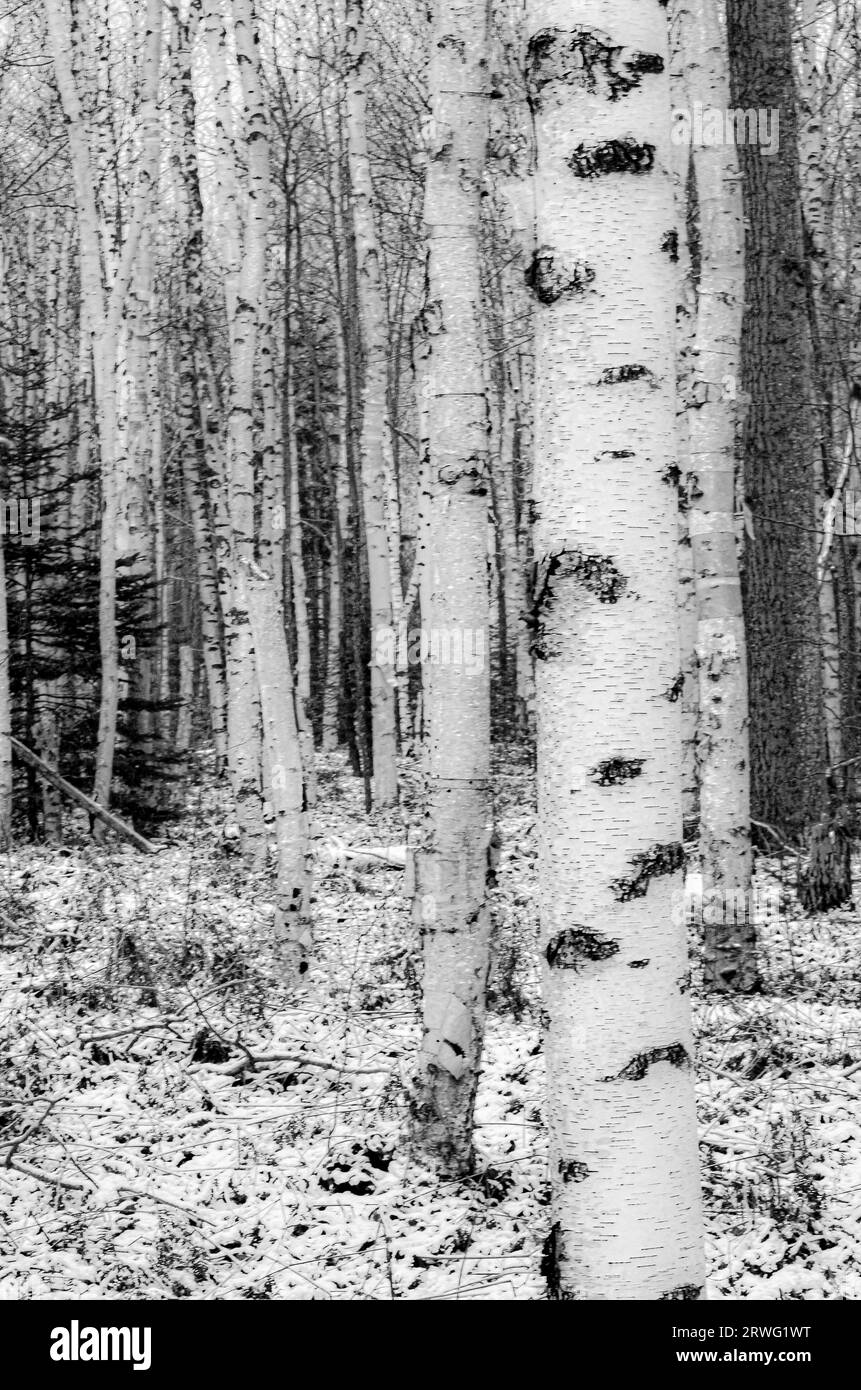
x=103, y=301
x=723, y=755
x=197, y=426
x=685, y=327
x=787, y=735
x=243, y=212
x=625, y=1217
x=372, y=311
x=284, y=765
x=453, y=863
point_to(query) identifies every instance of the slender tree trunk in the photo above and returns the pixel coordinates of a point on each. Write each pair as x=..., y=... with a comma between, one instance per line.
x=723, y=755
x=625, y=1215
x=197, y=426
x=5, y=710
x=243, y=211
x=372, y=311
x=102, y=308
x=685, y=328
x=284, y=765
x=453, y=863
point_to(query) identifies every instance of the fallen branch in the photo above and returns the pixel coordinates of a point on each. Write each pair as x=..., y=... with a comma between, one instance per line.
x=135, y=1028
x=30, y=1172
x=93, y=807
x=761, y=825
x=242, y=1064
x=166, y=1202
x=366, y=856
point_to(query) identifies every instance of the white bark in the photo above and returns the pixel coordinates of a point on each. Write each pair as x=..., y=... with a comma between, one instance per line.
x=452, y=865
x=243, y=216
x=621, y=1114
x=102, y=300
x=723, y=753
x=284, y=763
x=372, y=310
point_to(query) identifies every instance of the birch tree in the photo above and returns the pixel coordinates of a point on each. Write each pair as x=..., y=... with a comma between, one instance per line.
x=372, y=312
x=105, y=276
x=625, y=1185
x=242, y=213
x=723, y=756
x=453, y=863
x=285, y=777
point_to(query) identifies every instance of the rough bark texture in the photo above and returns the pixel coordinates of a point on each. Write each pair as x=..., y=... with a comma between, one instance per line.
x=779, y=578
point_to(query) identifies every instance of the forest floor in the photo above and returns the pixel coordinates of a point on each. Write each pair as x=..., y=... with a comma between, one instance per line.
x=141, y=1157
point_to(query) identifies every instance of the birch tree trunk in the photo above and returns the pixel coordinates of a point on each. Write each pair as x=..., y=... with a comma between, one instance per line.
x=337, y=465
x=685, y=327
x=372, y=312
x=103, y=299
x=197, y=429
x=723, y=754
x=243, y=188
x=5, y=693
x=284, y=765
x=625, y=1183
x=453, y=863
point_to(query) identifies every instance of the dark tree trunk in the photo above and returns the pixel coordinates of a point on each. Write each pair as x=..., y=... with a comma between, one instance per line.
x=788, y=757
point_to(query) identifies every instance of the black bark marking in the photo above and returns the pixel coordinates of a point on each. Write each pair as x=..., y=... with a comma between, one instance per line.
x=550, y=282
x=686, y=1292
x=638, y=964
x=455, y=1047
x=675, y=691
x=626, y=156
x=585, y=58
x=674, y=1053
x=684, y=982
x=451, y=473
x=452, y=41
x=615, y=376
x=670, y=244
x=614, y=454
x=552, y=1254
x=613, y=771
x=573, y=1170
x=597, y=573
x=648, y=864
x=570, y=948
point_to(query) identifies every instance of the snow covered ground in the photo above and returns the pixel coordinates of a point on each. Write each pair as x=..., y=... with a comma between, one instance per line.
x=143, y=1155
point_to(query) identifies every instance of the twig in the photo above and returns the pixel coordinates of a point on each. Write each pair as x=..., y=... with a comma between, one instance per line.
x=761, y=825
x=135, y=1028
x=29, y=1171
x=165, y=1201
x=36, y=1173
